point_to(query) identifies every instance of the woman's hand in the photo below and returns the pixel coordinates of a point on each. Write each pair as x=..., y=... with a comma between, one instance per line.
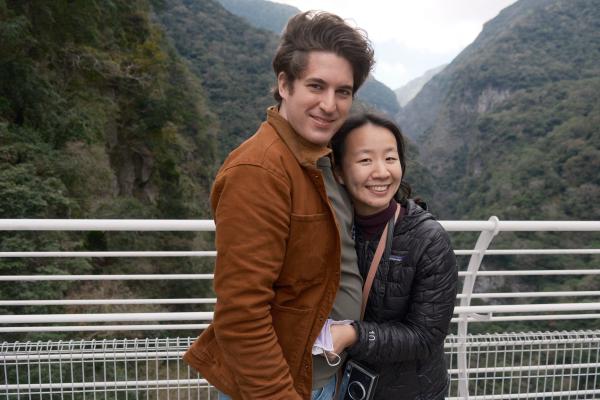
x=343, y=336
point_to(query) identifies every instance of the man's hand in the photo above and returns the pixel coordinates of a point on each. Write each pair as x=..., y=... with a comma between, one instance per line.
x=343, y=336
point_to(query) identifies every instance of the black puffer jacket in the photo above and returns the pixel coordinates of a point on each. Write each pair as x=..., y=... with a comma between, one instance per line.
x=409, y=309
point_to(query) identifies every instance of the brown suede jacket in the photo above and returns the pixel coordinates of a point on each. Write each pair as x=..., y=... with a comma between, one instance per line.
x=277, y=269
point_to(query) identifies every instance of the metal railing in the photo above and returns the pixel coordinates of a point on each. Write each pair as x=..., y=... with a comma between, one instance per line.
x=468, y=379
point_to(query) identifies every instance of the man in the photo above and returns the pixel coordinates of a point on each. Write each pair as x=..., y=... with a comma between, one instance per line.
x=279, y=247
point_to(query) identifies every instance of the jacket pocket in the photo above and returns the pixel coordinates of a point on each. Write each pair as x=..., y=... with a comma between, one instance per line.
x=310, y=245
x=292, y=326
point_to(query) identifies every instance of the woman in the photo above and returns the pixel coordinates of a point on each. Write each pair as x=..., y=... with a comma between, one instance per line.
x=411, y=301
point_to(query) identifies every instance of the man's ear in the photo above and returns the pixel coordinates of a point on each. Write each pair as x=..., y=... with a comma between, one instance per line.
x=282, y=85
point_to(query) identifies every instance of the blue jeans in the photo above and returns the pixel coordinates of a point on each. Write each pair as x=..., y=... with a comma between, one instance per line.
x=324, y=393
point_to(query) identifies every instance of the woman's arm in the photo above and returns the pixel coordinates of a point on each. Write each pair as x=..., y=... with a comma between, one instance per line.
x=425, y=326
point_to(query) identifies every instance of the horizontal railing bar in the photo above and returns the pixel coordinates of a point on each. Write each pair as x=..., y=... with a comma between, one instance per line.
x=501, y=252
x=72, y=353
x=536, y=395
x=208, y=225
x=162, y=327
x=208, y=253
x=130, y=356
x=153, y=384
x=527, y=294
x=104, y=254
x=141, y=355
x=520, y=308
x=522, y=226
x=106, y=317
x=524, y=368
x=515, y=342
x=103, y=328
x=548, y=317
x=165, y=225
x=475, y=313
x=207, y=315
x=141, y=277
x=105, y=302
x=535, y=272
x=183, y=383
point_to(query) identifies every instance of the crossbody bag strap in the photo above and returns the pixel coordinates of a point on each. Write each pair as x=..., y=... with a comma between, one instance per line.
x=375, y=263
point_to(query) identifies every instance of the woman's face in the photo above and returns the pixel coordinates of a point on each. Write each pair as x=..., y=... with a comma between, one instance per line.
x=370, y=168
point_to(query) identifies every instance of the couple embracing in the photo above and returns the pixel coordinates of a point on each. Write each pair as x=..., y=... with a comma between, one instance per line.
x=331, y=282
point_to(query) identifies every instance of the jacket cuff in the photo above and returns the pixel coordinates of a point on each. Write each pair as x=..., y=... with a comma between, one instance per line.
x=353, y=350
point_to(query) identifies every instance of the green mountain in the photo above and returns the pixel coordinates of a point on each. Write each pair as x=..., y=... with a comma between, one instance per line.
x=378, y=96
x=99, y=118
x=231, y=59
x=511, y=126
x=407, y=92
x=265, y=14
x=272, y=16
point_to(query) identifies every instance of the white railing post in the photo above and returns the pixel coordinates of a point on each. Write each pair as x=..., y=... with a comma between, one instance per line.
x=483, y=242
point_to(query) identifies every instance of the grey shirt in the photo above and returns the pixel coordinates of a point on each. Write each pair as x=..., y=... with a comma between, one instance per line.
x=349, y=296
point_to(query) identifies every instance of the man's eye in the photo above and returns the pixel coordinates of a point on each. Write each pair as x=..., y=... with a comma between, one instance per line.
x=314, y=86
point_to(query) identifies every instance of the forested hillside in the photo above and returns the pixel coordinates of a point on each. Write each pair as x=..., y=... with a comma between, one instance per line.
x=125, y=109
x=264, y=14
x=273, y=17
x=232, y=60
x=99, y=118
x=407, y=92
x=512, y=128
x=120, y=110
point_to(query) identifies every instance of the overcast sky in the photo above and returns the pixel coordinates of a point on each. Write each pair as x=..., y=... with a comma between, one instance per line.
x=411, y=37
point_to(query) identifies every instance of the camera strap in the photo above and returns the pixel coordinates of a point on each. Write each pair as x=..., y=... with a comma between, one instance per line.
x=376, y=260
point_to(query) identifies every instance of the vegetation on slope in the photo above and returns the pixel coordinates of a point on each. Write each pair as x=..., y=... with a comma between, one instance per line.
x=232, y=61
x=512, y=128
x=99, y=118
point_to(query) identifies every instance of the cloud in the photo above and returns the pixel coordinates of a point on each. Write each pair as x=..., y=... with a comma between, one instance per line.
x=393, y=74
x=434, y=31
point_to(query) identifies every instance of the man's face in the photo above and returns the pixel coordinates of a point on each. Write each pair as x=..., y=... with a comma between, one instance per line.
x=319, y=100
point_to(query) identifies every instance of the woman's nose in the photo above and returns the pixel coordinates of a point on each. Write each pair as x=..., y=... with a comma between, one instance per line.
x=380, y=170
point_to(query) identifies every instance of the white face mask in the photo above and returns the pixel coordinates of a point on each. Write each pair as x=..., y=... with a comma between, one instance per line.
x=324, y=343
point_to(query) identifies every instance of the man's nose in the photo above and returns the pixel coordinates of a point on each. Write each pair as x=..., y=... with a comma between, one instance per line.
x=328, y=103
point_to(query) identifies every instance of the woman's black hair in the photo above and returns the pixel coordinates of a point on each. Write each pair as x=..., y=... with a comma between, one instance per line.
x=338, y=144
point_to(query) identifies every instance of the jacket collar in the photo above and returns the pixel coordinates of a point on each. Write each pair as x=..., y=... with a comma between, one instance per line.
x=306, y=153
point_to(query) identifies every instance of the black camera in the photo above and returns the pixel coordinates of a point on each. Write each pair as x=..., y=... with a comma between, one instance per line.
x=358, y=383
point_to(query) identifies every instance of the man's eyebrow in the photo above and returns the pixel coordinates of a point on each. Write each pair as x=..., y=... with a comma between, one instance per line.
x=347, y=87
x=316, y=80
x=324, y=83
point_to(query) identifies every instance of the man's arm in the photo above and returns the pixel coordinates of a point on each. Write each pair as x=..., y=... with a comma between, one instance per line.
x=252, y=208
